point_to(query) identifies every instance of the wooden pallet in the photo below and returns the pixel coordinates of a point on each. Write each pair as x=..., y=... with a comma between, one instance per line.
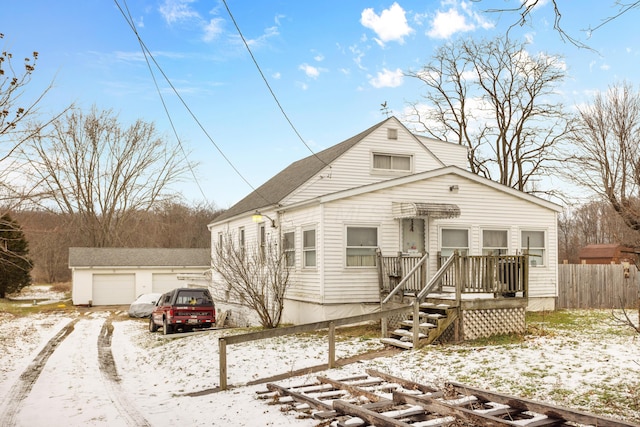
x=383, y=400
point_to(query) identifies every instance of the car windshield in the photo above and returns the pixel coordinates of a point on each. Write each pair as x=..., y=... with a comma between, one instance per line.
x=193, y=297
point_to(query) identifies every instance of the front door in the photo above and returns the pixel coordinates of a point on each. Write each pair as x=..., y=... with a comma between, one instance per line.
x=413, y=236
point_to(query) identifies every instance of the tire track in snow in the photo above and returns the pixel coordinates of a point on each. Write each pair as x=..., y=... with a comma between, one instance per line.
x=110, y=374
x=21, y=389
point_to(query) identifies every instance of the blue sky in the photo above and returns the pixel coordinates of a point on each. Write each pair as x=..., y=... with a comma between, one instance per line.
x=330, y=63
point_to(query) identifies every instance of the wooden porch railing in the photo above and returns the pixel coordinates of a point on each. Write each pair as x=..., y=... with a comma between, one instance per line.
x=504, y=275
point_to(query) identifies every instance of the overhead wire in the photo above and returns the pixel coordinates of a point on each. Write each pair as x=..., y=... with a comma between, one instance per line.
x=164, y=105
x=146, y=52
x=266, y=82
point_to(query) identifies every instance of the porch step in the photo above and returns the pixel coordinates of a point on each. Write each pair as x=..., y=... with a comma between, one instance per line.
x=407, y=345
x=409, y=323
x=435, y=317
x=407, y=333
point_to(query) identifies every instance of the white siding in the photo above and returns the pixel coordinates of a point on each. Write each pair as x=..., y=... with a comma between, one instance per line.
x=481, y=207
x=354, y=168
x=451, y=154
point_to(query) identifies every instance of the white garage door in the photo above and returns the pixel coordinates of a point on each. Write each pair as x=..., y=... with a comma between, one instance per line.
x=114, y=289
x=164, y=282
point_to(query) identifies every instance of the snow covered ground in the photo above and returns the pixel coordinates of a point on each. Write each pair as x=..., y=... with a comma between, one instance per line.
x=592, y=364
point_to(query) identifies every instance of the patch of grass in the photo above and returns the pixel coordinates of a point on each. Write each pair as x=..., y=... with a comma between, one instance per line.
x=502, y=339
x=24, y=308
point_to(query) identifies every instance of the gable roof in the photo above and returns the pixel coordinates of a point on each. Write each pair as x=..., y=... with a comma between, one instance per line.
x=293, y=176
x=139, y=257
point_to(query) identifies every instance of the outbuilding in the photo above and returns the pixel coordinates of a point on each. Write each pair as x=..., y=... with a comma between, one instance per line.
x=609, y=253
x=116, y=276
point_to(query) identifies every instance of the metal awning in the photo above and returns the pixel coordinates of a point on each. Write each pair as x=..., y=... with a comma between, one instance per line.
x=424, y=210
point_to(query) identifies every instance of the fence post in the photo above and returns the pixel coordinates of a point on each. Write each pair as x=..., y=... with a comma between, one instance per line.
x=416, y=323
x=222, y=346
x=332, y=345
x=383, y=326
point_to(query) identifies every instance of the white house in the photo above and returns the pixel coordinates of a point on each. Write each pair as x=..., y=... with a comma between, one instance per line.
x=116, y=276
x=391, y=190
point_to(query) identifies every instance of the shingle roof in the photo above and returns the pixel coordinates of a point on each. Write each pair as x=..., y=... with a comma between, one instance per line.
x=293, y=176
x=602, y=250
x=139, y=257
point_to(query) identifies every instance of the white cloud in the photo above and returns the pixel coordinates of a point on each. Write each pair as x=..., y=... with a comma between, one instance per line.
x=213, y=29
x=390, y=25
x=268, y=33
x=319, y=57
x=445, y=24
x=177, y=10
x=310, y=70
x=605, y=67
x=387, y=78
x=460, y=17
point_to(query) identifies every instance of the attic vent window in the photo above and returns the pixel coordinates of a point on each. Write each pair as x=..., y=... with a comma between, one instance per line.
x=392, y=133
x=391, y=162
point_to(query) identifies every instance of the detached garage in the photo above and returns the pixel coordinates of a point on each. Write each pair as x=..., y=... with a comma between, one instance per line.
x=116, y=276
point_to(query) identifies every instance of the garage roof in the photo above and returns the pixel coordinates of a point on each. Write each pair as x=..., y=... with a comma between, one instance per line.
x=139, y=257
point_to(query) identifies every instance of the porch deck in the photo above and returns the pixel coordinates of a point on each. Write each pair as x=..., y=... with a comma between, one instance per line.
x=468, y=297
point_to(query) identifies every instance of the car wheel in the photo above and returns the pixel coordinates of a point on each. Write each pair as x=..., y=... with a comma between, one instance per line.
x=152, y=326
x=166, y=327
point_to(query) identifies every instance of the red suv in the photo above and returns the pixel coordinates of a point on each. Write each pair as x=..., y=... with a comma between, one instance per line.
x=183, y=309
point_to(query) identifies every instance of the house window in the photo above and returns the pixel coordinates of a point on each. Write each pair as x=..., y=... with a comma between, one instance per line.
x=241, y=238
x=534, y=242
x=289, y=248
x=495, y=242
x=452, y=240
x=262, y=240
x=392, y=133
x=392, y=162
x=220, y=240
x=309, y=247
x=362, y=243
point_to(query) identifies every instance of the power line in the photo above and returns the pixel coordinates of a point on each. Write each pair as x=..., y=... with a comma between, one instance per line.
x=266, y=82
x=146, y=52
x=164, y=105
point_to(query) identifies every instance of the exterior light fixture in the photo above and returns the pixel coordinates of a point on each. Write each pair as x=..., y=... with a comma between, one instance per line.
x=259, y=217
x=453, y=188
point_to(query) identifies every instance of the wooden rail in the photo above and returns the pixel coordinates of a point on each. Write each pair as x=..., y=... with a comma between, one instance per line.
x=307, y=327
x=363, y=400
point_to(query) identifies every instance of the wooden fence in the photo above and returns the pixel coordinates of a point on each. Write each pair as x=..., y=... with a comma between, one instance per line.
x=597, y=286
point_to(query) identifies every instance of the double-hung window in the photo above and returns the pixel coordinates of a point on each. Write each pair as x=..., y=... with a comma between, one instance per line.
x=454, y=239
x=495, y=242
x=309, y=248
x=362, y=243
x=533, y=241
x=289, y=248
x=391, y=162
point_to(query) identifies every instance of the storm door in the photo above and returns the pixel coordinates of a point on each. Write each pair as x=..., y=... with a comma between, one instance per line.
x=413, y=236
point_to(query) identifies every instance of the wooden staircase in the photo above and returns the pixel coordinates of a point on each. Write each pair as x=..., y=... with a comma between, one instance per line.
x=434, y=317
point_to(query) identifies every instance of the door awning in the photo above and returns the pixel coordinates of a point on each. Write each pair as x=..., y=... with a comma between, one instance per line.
x=424, y=210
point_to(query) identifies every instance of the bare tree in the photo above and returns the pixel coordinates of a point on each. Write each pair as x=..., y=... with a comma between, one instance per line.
x=257, y=276
x=497, y=100
x=525, y=9
x=16, y=109
x=607, y=150
x=101, y=173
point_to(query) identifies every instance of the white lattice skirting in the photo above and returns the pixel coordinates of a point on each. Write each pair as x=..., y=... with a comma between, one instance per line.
x=484, y=323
